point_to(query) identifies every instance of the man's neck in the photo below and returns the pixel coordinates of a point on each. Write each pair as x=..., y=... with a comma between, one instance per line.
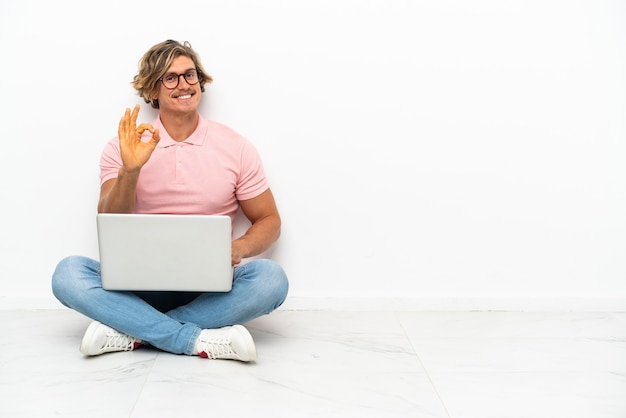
x=180, y=126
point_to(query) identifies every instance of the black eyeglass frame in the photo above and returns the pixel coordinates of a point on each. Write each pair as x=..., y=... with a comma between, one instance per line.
x=198, y=75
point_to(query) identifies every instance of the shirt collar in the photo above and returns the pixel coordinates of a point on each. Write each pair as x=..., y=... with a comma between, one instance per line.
x=196, y=138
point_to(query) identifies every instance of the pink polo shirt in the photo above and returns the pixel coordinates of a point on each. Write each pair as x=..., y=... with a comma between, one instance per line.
x=205, y=174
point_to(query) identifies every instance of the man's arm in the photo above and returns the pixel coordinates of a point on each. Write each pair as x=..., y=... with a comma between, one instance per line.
x=118, y=195
x=262, y=212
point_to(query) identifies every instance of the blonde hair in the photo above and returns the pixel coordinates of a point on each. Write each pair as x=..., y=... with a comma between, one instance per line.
x=154, y=64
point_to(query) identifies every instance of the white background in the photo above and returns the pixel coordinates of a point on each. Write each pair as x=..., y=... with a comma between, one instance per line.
x=465, y=154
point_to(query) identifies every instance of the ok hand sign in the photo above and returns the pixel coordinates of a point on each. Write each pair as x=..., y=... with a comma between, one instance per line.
x=135, y=153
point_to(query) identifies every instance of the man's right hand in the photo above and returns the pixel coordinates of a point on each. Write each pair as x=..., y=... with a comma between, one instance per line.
x=135, y=153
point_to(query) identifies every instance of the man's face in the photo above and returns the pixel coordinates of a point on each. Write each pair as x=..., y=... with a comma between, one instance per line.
x=184, y=97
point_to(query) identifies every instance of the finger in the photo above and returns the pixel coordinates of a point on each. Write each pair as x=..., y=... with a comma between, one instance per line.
x=156, y=137
x=133, y=116
x=123, y=126
x=145, y=127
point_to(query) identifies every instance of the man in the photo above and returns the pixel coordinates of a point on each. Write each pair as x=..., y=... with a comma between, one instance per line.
x=181, y=163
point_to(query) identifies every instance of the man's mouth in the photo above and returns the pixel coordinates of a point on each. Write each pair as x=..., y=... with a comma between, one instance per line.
x=184, y=96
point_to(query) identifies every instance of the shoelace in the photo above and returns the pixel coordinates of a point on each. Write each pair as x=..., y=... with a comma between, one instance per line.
x=118, y=341
x=216, y=349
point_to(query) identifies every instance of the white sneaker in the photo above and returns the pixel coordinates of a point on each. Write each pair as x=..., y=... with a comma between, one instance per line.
x=100, y=339
x=230, y=343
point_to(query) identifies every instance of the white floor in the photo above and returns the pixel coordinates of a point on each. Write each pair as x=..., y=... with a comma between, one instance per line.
x=330, y=364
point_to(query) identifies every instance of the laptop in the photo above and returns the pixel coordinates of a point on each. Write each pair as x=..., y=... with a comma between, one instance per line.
x=165, y=252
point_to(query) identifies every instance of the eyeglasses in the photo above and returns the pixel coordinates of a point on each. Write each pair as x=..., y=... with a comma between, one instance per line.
x=171, y=80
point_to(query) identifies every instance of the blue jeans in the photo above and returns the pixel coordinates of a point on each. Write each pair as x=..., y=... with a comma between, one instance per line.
x=170, y=321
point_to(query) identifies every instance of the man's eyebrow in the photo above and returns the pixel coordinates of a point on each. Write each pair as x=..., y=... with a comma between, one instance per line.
x=187, y=70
